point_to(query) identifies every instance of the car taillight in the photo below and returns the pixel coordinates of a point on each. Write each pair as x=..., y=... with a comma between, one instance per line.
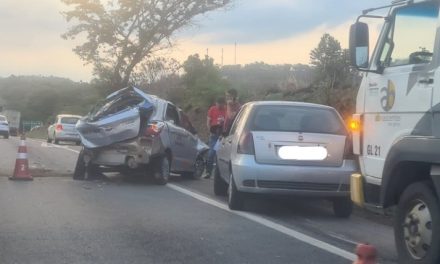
x=59, y=127
x=246, y=144
x=154, y=129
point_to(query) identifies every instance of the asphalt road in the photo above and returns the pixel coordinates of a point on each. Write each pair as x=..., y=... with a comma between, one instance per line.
x=54, y=219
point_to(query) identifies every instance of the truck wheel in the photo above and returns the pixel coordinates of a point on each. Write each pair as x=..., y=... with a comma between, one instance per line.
x=235, y=197
x=417, y=225
x=80, y=168
x=220, y=186
x=161, y=170
x=342, y=207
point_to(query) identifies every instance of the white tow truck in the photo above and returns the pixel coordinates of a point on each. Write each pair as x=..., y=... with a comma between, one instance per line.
x=396, y=128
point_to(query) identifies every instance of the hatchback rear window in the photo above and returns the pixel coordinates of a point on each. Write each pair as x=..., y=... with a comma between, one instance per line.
x=284, y=118
x=69, y=120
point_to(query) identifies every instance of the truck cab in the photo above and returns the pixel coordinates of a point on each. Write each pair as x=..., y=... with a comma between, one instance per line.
x=396, y=127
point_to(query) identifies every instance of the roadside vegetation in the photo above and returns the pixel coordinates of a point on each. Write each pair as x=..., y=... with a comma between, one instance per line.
x=194, y=85
x=123, y=43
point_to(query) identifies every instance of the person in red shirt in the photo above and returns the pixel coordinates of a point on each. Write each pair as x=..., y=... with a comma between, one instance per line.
x=215, y=122
x=232, y=109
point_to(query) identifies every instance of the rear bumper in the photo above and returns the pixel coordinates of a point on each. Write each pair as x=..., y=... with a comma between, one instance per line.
x=253, y=177
x=4, y=130
x=68, y=136
x=139, y=151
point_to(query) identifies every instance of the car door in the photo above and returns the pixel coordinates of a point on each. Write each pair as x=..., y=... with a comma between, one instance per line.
x=190, y=141
x=177, y=137
x=226, y=148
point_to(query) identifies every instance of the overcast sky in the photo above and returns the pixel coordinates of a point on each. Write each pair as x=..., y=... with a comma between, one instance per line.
x=273, y=31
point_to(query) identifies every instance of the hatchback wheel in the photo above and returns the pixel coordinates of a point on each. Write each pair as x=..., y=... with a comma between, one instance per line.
x=343, y=207
x=220, y=186
x=80, y=168
x=235, y=198
x=161, y=171
x=92, y=171
x=199, y=168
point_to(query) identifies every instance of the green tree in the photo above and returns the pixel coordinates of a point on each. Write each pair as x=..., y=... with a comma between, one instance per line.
x=334, y=81
x=120, y=34
x=202, y=81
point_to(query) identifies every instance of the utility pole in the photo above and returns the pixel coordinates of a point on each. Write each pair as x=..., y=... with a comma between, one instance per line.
x=222, y=57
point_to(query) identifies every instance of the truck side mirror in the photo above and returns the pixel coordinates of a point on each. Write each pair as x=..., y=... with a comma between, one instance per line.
x=359, y=45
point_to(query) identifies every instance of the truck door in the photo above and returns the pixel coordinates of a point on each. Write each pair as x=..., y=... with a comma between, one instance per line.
x=401, y=95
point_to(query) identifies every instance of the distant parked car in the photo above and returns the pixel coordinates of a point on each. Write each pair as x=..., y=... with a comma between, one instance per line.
x=4, y=127
x=286, y=148
x=134, y=130
x=64, y=129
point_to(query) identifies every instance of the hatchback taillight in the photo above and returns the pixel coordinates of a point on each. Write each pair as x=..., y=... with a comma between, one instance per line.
x=154, y=129
x=246, y=144
x=59, y=127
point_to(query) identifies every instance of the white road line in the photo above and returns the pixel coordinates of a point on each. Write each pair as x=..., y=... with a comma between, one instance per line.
x=270, y=224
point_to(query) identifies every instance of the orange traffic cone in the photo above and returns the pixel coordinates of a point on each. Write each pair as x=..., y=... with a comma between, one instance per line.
x=366, y=254
x=21, y=171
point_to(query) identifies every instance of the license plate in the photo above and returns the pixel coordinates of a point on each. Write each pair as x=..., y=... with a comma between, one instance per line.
x=309, y=153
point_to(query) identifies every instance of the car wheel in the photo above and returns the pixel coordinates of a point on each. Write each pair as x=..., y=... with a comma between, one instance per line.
x=161, y=172
x=48, y=139
x=80, y=168
x=417, y=225
x=343, y=207
x=235, y=198
x=220, y=186
x=6, y=136
x=199, y=168
x=93, y=172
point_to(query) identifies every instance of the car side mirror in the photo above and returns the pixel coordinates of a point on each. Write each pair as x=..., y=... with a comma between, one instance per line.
x=359, y=45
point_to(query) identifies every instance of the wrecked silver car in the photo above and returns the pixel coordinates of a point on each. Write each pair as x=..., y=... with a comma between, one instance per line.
x=132, y=129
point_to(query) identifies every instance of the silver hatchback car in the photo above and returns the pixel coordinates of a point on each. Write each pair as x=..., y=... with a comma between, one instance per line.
x=64, y=129
x=286, y=148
